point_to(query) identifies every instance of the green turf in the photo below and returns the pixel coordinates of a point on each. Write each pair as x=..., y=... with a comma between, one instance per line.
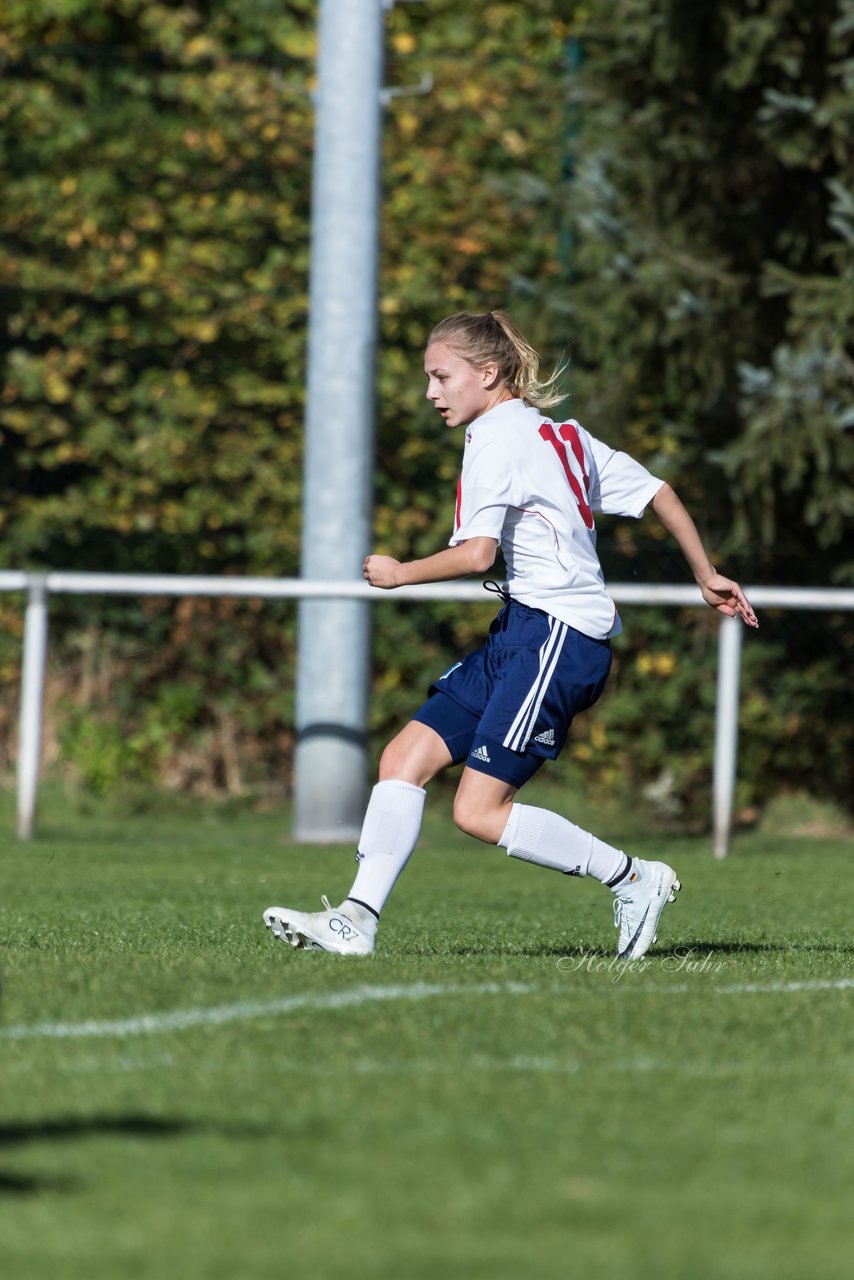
x=497, y=1099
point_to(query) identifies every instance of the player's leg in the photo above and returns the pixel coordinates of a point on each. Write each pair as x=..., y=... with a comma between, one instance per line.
x=392, y=822
x=550, y=673
x=439, y=734
x=482, y=805
x=485, y=807
x=547, y=673
x=415, y=755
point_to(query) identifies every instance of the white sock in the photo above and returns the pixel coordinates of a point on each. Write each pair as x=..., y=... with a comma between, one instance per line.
x=389, y=832
x=537, y=835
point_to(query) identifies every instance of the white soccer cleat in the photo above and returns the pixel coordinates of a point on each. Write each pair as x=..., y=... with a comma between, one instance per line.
x=638, y=904
x=327, y=930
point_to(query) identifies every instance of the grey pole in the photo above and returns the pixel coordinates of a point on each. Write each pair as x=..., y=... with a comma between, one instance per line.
x=726, y=731
x=330, y=766
x=32, y=692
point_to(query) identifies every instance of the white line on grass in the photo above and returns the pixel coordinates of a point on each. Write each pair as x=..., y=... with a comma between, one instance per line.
x=244, y=1010
x=746, y=988
x=816, y=984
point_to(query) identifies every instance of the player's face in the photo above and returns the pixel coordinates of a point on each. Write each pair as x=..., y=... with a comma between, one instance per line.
x=460, y=392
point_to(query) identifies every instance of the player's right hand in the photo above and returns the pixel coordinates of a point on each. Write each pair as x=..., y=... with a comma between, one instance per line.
x=381, y=571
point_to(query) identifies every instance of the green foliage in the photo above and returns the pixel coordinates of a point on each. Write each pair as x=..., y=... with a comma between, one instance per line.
x=712, y=261
x=469, y=175
x=665, y=192
x=154, y=282
x=195, y=694
x=652, y=735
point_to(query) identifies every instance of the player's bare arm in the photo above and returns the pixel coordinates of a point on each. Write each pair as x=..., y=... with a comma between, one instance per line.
x=474, y=556
x=718, y=591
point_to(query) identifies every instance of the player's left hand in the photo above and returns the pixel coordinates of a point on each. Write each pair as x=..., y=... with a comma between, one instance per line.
x=381, y=571
x=727, y=597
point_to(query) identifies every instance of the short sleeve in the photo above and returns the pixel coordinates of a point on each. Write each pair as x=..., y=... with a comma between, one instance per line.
x=620, y=486
x=484, y=494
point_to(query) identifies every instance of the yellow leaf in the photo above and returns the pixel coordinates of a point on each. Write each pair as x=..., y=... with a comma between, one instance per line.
x=407, y=123
x=514, y=142
x=56, y=388
x=201, y=47
x=207, y=331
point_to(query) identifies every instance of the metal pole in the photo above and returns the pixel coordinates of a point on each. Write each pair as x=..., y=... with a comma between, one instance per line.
x=32, y=691
x=726, y=731
x=331, y=757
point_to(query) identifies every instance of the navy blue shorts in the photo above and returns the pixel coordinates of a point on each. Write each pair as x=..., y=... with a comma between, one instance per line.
x=507, y=707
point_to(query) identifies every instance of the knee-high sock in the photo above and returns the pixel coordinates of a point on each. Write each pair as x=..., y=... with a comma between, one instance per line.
x=389, y=832
x=538, y=835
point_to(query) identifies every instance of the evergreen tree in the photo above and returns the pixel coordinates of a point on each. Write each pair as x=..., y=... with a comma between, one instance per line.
x=710, y=209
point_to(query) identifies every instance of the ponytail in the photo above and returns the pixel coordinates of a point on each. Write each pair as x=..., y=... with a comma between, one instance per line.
x=492, y=338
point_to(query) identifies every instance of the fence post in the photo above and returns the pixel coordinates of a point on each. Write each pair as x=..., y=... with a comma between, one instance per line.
x=726, y=731
x=32, y=692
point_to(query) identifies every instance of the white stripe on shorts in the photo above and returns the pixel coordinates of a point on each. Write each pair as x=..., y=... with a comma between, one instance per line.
x=523, y=726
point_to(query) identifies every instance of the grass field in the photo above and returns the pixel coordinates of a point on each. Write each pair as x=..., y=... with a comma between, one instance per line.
x=488, y=1096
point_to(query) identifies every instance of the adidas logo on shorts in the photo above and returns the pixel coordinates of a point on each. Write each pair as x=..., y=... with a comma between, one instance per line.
x=547, y=738
x=481, y=753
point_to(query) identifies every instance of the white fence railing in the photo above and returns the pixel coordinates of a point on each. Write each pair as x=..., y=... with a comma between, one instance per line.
x=40, y=586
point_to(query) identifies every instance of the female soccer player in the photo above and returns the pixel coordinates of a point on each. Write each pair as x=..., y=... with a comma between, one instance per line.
x=532, y=487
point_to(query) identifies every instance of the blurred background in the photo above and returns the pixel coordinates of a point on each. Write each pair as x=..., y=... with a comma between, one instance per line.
x=660, y=190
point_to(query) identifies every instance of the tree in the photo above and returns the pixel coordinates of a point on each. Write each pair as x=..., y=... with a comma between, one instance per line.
x=711, y=211
x=663, y=190
x=710, y=214
x=153, y=283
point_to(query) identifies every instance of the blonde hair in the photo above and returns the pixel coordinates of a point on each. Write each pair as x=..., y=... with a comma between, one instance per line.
x=492, y=338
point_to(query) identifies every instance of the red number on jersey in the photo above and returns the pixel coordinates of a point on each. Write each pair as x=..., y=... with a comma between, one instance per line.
x=568, y=432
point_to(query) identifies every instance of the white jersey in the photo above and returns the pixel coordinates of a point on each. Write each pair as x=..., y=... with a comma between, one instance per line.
x=534, y=485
